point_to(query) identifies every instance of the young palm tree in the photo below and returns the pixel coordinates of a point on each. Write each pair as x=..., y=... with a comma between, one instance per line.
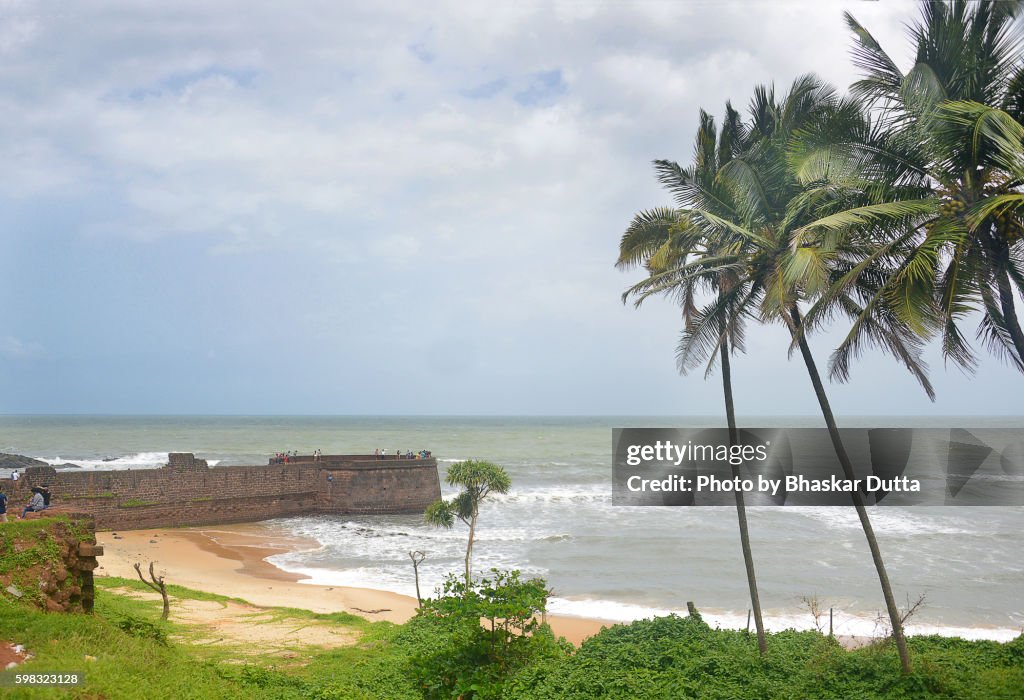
x=941, y=175
x=663, y=242
x=754, y=240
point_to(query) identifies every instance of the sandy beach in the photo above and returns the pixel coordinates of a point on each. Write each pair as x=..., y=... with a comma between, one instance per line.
x=230, y=560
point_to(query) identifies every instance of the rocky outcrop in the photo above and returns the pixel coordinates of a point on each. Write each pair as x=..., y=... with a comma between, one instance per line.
x=9, y=461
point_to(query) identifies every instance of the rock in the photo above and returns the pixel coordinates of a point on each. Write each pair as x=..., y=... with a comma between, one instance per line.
x=53, y=605
x=153, y=542
x=69, y=465
x=20, y=462
x=15, y=591
x=11, y=665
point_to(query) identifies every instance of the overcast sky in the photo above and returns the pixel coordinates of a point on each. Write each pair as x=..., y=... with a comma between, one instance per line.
x=226, y=207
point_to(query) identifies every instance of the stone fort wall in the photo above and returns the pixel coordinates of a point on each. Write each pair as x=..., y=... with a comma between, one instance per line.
x=188, y=492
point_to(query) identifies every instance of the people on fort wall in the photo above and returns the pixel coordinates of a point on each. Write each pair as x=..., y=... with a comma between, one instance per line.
x=378, y=453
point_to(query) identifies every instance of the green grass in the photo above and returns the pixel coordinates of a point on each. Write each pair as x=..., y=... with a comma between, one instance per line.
x=136, y=503
x=139, y=656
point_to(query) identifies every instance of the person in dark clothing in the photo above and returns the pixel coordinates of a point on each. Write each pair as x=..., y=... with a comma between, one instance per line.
x=3, y=507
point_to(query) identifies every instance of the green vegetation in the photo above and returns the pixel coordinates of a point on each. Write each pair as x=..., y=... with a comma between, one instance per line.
x=136, y=503
x=478, y=480
x=899, y=208
x=27, y=546
x=490, y=630
x=126, y=651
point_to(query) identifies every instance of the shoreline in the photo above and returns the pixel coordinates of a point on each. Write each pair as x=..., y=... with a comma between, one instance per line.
x=230, y=560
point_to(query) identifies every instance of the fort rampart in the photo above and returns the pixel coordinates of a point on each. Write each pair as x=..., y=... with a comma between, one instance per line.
x=188, y=492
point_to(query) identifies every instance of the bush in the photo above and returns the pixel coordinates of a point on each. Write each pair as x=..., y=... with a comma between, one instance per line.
x=473, y=660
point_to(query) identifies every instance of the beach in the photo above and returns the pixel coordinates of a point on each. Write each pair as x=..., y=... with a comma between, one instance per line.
x=230, y=560
x=558, y=522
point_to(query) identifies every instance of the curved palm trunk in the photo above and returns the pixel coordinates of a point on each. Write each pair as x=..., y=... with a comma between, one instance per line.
x=858, y=501
x=741, y=508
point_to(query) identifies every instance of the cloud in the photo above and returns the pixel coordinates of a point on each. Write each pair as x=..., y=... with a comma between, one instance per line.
x=461, y=169
x=16, y=349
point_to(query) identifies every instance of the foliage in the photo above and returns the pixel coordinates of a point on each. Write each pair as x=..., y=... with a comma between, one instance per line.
x=673, y=657
x=478, y=480
x=935, y=182
x=668, y=657
x=136, y=503
x=139, y=627
x=475, y=659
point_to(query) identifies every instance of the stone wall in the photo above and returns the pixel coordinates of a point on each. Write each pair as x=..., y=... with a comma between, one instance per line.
x=188, y=492
x=50, y=561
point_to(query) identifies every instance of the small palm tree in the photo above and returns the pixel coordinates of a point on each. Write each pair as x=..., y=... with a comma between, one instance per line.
x=478, y=480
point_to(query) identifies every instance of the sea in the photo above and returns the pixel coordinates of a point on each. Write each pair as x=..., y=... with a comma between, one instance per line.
x=962, y=564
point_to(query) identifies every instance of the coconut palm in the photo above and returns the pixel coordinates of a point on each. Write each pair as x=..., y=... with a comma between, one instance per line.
x=663, y=241
x=750, y=235
x=941, y=174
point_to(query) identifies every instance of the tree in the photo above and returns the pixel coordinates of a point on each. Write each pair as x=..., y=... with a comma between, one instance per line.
x=157, y=584
x=942, y=174
x=661, y=239
x=478, y=480
x=753, y=235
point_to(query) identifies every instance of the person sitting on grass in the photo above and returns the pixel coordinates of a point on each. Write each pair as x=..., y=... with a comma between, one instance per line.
x=35, y=505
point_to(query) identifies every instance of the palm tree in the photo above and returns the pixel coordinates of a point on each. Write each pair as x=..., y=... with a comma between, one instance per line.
x=941, y=174
x=752, y=236
x=661, y=240
x=478, y=479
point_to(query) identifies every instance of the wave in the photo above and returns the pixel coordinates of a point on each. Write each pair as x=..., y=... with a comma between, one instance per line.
x=888, y=521
x=398, y=579
x=136, y=460
x=844, y=624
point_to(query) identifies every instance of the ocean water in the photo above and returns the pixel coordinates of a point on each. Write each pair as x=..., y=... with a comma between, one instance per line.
x=599, y=560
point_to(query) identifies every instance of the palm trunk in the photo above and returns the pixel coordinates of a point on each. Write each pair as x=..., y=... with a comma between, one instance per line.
x=741, y=508
x=1010, y=314
x=858, y=501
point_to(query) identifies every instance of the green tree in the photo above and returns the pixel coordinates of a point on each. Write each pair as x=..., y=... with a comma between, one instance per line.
x=939, y=176
x=471, y=660
x=661, y=239
x=753, y=236
x=478, y=480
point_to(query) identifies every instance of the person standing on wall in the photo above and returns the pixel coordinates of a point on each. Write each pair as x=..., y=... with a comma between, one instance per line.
x=15, y=476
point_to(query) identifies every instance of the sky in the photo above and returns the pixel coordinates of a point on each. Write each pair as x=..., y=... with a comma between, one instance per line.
x=385, y=208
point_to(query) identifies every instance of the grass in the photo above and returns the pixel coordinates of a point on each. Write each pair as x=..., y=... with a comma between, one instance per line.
x=136, y=503
x=136, y=655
